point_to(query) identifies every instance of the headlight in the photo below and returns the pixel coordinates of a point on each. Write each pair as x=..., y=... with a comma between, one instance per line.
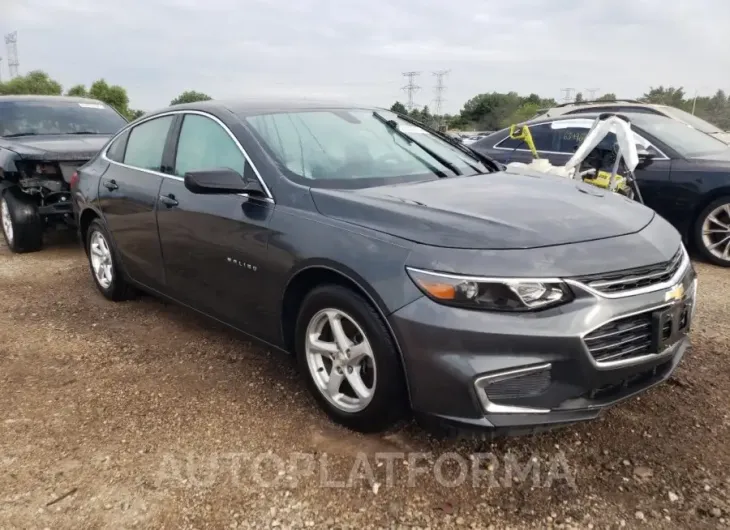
x=494, y=294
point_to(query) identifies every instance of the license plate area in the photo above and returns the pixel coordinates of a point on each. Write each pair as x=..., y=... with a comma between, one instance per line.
x=669, y=325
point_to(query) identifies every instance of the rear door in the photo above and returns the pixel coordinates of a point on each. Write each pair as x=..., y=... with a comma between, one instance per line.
x=215, y=246
x=128, y=193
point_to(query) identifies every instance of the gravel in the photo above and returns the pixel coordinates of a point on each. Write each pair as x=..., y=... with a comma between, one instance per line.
x=143, y=415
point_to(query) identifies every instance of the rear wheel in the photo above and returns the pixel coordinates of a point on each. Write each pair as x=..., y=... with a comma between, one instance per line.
x=22, y=226
x=712, y=232
x=349, y=360
x=104, y=264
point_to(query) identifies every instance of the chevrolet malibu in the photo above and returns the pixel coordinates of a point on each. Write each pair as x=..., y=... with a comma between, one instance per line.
x=406, y=273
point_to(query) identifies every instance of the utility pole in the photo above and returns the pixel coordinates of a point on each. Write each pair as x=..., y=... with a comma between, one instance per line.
x=1, y=69
x=411, y=88
x=439, y=90
x=11, y=41
x=592, y=93
x=568, y=94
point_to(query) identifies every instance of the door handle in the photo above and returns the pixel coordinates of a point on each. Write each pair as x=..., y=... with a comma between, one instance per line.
x=168, y=200
x=111, y=185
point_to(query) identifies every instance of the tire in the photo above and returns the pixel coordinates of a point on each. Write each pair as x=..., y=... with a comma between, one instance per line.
x=381, y=371
x=715, y=217
x=104, y=264
x=21, y=224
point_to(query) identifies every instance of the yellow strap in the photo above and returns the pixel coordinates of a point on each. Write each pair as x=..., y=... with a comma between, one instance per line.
x=522, y=132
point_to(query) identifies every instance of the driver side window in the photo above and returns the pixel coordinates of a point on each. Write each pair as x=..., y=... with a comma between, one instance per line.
x=204, y=144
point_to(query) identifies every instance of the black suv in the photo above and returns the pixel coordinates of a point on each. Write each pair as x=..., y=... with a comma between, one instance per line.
x=43, y=139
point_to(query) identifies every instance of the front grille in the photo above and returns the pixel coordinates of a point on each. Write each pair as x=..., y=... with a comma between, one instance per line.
x=630, y=279
x=621, y=339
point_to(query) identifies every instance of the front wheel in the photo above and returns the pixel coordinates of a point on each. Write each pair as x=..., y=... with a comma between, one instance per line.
x=712, y=232
x=349, y=359
x=22, y=226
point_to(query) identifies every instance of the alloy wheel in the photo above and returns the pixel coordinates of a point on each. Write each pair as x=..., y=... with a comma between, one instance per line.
x=340, y=360
x=101, y=260
x=6, y=220
x=716, y=232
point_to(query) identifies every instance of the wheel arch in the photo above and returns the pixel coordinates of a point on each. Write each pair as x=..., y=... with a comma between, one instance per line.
x=315, y=273
x=85, y=219
x=704, y=202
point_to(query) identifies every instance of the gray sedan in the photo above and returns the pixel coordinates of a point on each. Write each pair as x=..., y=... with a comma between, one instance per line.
x=407, y=273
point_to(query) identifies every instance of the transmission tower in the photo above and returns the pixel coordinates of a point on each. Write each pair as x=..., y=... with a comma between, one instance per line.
x=11, y=41
x=411, y=88
x=439, y=90
x=567, y=94
x=592, y=93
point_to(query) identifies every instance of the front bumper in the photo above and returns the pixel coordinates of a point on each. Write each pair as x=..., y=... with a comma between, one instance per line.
x=462, y=365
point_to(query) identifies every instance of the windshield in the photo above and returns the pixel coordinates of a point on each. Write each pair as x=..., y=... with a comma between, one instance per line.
x=30, y=118
x=683, y=138
x=348, y=147
x=690, y=119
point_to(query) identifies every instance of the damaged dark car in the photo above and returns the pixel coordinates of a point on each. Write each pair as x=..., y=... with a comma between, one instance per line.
x=43, y=140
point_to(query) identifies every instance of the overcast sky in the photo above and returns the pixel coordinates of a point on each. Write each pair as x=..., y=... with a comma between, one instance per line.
x=357, y=49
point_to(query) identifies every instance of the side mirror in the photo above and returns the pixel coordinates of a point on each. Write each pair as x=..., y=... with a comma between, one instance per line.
x=221, y=182
x=645, y=157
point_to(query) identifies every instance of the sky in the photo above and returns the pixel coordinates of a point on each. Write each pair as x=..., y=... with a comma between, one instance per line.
x=357, y=50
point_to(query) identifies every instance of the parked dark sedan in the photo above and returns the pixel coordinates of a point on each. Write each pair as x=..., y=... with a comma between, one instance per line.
x=688, y=181
x=43, y=140
x=403, y=271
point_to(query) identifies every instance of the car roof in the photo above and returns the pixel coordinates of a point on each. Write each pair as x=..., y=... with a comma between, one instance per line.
x=49, y=99
x=254, y=106
x=632, y=116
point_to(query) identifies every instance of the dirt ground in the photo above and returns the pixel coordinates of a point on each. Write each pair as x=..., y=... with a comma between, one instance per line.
x=143, y=415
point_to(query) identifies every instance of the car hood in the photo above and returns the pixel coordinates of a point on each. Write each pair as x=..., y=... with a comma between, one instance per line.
x=500, y=210
x=724, y=136
x=56, y=147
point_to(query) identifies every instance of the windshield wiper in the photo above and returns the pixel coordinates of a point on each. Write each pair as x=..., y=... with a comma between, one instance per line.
x=83, y=132
x=393, y=126
x=484, y=159
x=17, y=135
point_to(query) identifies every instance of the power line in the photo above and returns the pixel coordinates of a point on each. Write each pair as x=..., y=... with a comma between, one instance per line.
x=411, y=88
x=11, y=41
x=439, y=90
x=568, y=94
x=592, y=93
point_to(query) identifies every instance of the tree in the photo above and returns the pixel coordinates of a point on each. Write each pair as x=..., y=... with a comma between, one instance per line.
x=666, y=96
x=579, y=97
x=36, y=82
x=77, y=91
x=114, y=95
x=134, y=114
x=399, y=107
x=190, y=96
x=610, y=96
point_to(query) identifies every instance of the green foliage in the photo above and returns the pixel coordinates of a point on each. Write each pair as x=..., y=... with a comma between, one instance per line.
x=35, y=83
x=77, y=91
x=579, y=97
x=495, y=110
x=190, y=96
x=399, y=107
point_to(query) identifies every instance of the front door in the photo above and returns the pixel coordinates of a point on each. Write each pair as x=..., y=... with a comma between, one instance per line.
x=214, y=246
x=128, y=193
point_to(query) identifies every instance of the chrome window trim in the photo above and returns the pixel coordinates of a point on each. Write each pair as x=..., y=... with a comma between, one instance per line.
x=269, y=197
x=496, y=146
x=493, y=408
x=671, y=282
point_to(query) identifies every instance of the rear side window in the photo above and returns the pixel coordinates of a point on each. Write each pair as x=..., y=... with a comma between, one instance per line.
x=543, y=136
x=116, y=149
x=204, y=144
x=146, y=144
